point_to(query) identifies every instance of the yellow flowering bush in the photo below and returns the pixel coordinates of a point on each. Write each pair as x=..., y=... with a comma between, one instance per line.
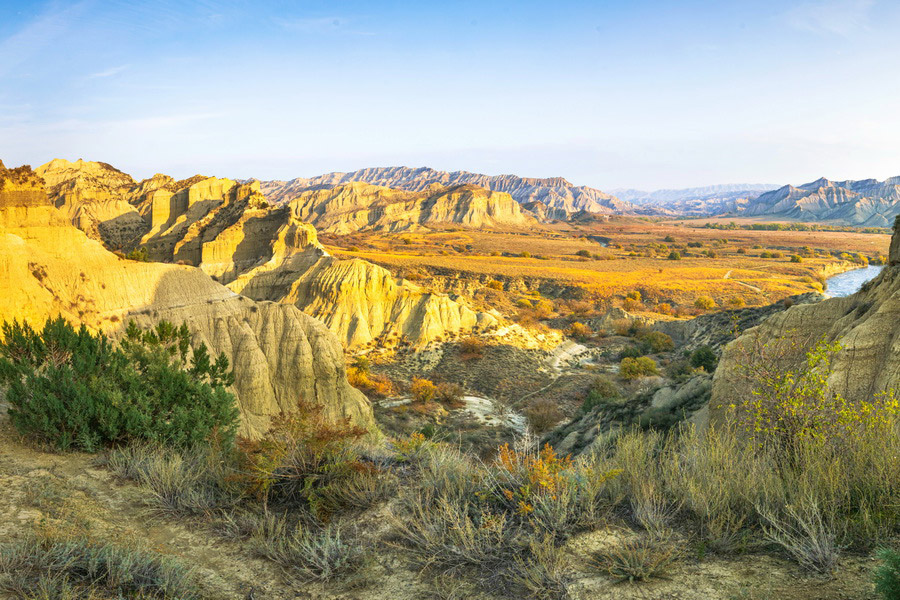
x=796, y=405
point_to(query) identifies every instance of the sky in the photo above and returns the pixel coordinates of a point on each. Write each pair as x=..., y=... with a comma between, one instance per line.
x=612, y=94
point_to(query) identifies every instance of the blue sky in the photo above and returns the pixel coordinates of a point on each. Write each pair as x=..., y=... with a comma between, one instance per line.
x=643, y=94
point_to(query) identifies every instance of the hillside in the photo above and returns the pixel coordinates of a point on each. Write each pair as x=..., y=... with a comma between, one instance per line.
x=358, y=206
x=555, y=192
x=279, y=354
x=866, y=202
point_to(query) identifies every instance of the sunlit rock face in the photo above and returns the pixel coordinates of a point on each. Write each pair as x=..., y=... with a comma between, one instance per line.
x=364, y=207
x=866, y=202
x=279, y=354
x=553, y=192
x=231, y=232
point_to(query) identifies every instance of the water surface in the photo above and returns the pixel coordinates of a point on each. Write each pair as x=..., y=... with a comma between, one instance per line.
x=849, y=282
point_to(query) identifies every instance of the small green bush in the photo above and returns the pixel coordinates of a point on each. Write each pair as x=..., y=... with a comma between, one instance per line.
x=887, y=575
x=603, y=391
x=674, y=256
x=635, y=368
x=704, y=303
x=704, y=358
x=654, y=342
x=73, y=389
x=138, y=254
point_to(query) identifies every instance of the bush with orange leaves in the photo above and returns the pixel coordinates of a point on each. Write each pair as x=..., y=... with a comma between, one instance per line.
x=371, y=385
x=305, y=461
x=552, y=493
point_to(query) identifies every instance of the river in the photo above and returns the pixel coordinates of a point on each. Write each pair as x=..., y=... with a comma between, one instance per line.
x=849, y=282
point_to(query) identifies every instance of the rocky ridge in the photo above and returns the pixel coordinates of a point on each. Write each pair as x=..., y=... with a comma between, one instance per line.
x=280, y=355
x=866, y=202
x=554, y=192
x=359, y=206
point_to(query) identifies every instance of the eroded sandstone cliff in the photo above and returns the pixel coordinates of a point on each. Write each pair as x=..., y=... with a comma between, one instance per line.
x=270, y=253
x=360, y=206
x=280, y=355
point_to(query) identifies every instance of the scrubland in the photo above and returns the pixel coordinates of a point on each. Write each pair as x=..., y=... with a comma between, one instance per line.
x=605, y=260
x=791, y=495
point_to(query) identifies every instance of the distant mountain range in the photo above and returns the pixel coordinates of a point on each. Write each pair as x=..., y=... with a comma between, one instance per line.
x=555, y=193
x=867, y=202
x=707, y=200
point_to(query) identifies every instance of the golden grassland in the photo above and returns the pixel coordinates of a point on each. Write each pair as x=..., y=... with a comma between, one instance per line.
x=728, y=266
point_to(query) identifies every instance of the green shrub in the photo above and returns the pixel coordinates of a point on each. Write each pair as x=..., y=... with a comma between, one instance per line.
x=704, y=358
x=887, y=575
x=704, y=303
x=76, y=390
x=602, y=391
x=654, y=342
x=634, y=368
x=138, y=254
x=674, y=256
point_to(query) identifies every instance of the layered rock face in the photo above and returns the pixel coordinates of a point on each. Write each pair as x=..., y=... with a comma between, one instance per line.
x=363, y=207
x=555, y=192
x=866, y=324
x=867, y=202
x=280, y=355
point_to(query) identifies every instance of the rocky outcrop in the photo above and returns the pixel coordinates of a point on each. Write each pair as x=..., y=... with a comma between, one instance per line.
x=230, y=231
x=95, y=198
x=360, y=206
x=866, y=325
x=272, y=253
x=867, y=202
x=718, y=328
x=280, y=355
x=554, y=192
x=660, y=407
x=544, y=213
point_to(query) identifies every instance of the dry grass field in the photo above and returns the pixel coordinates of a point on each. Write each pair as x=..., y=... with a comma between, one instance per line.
x=611, y=259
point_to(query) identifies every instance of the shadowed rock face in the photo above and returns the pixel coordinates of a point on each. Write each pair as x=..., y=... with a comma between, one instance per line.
x=866, y=324
x=280, y=355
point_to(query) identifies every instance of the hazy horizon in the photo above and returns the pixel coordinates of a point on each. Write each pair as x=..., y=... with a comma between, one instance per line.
x=641, y=95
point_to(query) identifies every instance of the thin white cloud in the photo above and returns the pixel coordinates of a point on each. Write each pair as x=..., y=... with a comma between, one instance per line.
x=833, y=17
x=108, y=72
